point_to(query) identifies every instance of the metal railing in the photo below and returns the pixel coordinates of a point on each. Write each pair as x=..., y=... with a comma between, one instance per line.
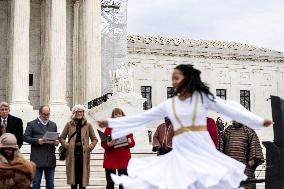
x=98, y=101
x=253, y=181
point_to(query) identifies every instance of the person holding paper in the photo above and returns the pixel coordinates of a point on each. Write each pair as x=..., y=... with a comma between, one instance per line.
x=42, y=151
x=115, y=157
x=79, y=132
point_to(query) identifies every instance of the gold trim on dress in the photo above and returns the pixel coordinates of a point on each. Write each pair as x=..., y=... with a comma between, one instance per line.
x=165, y=139
x=190, y=129
x=193, y=127
x=195, y=109
x=174, y=111
x=193, y=114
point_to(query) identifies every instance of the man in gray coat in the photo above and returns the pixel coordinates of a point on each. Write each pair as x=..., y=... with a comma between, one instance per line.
x=42, y=151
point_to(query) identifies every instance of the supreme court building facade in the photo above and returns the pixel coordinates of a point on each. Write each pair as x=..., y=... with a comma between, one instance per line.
x=50, y=53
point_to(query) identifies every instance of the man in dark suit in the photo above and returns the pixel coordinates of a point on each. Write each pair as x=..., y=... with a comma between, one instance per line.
x=42, y=151
x=11, y=124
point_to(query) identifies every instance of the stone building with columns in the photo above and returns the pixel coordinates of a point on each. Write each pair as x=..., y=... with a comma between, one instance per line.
x=49, y=52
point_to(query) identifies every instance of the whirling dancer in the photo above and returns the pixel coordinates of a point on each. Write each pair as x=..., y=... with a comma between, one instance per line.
x=194, y=162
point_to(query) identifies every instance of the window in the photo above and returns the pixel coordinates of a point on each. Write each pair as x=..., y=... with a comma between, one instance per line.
x=245, y=98
x=170, y=92
x=146, y=92
x=31, y=80
x=222, y=93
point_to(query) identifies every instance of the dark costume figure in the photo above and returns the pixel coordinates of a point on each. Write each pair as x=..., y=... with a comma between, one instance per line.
x=241, y=143
x=162, y=139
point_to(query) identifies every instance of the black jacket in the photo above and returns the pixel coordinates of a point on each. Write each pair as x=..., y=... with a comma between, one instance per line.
x=15, y=126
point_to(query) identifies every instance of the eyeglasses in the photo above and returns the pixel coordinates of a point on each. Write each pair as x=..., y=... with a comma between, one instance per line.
x=79, y=111
x=44, y=114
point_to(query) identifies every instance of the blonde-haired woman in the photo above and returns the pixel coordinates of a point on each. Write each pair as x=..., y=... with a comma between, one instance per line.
x=79, y=131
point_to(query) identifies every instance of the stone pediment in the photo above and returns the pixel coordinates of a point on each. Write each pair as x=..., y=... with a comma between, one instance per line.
x=201, y=48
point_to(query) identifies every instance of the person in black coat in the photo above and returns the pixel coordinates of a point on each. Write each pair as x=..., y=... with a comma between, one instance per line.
x=11, y=124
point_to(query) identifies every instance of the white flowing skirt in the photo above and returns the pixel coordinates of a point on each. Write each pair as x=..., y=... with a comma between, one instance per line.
x=194, y=163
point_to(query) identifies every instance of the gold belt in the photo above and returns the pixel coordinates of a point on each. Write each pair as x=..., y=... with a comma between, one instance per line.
x=190, y=128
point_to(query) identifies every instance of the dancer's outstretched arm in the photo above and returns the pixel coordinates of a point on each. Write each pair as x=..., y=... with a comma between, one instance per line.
x=128, y=124
x=236, y=112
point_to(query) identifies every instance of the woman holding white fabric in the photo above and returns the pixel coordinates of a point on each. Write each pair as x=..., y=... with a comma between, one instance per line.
x=194, y=162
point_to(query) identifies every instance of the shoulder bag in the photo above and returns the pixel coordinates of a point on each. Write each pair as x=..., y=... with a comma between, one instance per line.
x=62, y=151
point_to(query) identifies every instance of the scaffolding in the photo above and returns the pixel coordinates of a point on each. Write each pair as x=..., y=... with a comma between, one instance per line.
x=114, y=39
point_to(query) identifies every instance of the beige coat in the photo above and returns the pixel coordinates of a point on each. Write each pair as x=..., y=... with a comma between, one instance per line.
x=87, y=134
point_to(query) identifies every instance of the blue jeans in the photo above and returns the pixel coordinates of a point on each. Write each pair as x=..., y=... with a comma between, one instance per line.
x=49, y=177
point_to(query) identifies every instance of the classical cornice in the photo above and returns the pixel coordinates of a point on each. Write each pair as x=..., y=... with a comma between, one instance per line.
x=201, y=49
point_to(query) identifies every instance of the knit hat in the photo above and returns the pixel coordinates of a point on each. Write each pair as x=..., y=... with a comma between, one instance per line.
x=8, y=140
x=78, y=107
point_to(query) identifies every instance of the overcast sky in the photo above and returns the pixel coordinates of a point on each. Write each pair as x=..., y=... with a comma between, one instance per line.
x=255, y=22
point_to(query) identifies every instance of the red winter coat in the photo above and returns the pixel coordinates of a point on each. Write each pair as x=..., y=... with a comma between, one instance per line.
x=213, y=130
x=117, y=158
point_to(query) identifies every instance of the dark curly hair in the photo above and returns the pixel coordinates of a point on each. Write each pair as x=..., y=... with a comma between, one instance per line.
x=192, y=82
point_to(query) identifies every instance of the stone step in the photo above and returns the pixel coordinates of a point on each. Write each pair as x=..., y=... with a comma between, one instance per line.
x=100, y=155
x=100, y=183
x=260, y=186
x=93, y=174
x=93, y=162
x=97, y=168
x=63, y=182
x=97, y=173
x=88, y=187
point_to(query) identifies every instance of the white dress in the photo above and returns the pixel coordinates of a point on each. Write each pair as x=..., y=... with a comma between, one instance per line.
x=194, y=162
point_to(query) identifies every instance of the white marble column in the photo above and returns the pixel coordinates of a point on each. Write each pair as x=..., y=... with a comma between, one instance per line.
x=18, y=86
x=54, y=55
x=58, y=53
x=53, y=66
x=45, y=53
x=78, y=68
x=92, y=23
x=86, y=51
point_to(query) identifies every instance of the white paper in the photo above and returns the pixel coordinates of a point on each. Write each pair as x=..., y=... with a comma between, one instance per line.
x=50, y=136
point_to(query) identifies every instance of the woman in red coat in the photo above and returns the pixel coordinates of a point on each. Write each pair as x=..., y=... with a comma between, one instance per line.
x=116, y=158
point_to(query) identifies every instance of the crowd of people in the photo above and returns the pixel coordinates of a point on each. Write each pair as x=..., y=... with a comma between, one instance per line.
x=190, y=146
x=18, y=173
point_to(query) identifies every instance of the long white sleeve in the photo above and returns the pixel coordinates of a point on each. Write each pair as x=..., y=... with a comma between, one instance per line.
x=235, y=111
x=125, y=125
